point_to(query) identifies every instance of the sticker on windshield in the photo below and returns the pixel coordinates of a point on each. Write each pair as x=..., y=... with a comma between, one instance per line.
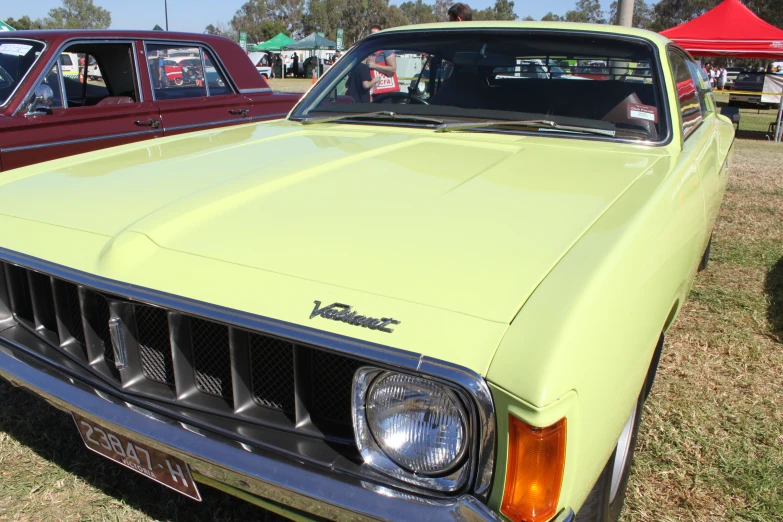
x=637, y=111
x=15, y=49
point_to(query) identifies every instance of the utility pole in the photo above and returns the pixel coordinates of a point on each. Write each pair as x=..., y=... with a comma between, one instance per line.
x=625, y=13
x=166, y=7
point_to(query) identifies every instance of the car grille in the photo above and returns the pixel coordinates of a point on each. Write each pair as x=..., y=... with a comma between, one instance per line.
x=189, y=361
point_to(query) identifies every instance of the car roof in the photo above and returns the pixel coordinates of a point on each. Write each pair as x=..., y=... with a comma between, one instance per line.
x=553, y=26
x=57, y=36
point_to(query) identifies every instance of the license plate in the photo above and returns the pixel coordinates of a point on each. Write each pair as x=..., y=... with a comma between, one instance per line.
x=161, y=467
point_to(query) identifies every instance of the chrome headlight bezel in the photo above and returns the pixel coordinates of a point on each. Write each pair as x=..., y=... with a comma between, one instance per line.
x=450, y=480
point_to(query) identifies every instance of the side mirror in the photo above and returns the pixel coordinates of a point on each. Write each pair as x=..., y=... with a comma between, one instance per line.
x=42, y=100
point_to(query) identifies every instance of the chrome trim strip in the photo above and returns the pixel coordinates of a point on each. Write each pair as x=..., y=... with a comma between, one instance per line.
x=482, y=409
x=81, y=140
x=63, y=94
x=204, y=69
x=294, y=487
x=27, y=73
x=565, y=515
x=269, y=116
x=136, y=67
x=256, y=90
x=61, y=49
x=206, y=124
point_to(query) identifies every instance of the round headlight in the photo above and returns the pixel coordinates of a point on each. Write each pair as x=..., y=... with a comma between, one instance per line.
x=417, y=423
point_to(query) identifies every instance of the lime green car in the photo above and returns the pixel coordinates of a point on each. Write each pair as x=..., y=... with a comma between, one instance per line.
x=435, y=296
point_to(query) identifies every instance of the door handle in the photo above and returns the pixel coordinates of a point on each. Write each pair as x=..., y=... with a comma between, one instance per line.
x=243, y=112
x=148, y=123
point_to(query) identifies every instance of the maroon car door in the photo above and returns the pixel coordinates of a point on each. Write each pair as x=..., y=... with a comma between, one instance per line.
x=83, y=116
x=197, y=96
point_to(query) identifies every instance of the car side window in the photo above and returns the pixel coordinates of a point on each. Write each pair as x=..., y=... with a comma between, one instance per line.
x=181, y=71
x=687, y=93
x=705, y=88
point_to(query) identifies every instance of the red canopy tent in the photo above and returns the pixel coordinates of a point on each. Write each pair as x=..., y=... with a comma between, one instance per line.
x=730, y=29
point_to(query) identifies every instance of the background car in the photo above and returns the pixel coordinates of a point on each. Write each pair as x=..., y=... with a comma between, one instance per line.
x=139, y=85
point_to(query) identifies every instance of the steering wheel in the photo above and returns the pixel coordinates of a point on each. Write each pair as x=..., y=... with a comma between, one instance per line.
x=398, y=97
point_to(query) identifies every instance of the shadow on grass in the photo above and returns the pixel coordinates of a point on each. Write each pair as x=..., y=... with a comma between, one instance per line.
x=773, y=287
x=53, y=436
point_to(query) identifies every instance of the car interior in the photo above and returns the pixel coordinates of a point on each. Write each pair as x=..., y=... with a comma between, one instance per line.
x=117, y=84
x=506, y=76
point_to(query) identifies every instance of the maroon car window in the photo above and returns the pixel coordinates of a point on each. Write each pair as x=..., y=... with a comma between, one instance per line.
x=176, y=72
x=53, y=81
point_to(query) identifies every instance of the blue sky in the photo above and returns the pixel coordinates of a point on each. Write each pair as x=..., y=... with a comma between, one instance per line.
x=194, y=15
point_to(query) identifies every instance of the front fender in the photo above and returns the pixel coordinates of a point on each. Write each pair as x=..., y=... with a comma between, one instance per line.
x=592, y=325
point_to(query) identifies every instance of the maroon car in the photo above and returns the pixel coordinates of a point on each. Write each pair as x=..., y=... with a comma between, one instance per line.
x=48, y=110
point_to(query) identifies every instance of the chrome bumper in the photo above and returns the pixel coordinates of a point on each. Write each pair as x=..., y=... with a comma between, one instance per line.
x=217, y=460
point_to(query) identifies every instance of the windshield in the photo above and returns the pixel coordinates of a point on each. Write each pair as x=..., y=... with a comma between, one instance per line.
x=17, y=57
x=570, y=80
x=751, y=77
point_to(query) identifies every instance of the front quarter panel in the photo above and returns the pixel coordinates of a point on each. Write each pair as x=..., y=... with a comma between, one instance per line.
x=592, y=325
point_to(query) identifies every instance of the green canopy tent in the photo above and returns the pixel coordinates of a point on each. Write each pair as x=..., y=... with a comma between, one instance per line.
x=312, y=42
x=278, y=43
x=5, y=27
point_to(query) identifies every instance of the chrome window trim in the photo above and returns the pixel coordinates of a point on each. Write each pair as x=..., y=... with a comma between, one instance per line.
x=63, y=95
x=665, y=140
x=72, y=41
x=473, y=384
x=27, y=73
x=204, y=69
x=216, y=61
x=255, y=90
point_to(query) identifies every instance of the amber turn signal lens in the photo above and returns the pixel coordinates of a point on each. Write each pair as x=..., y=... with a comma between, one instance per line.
x=534, y=472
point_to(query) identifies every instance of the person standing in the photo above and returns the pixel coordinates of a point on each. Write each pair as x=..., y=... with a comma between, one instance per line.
x=460, y=13
x=723, y=78
x=359, y=83
x=295, y=65
x=384, y=67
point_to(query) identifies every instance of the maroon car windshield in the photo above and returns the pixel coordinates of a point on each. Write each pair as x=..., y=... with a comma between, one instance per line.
x=17, y=57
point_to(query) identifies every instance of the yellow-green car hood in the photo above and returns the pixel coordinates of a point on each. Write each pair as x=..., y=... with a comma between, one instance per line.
x=463, y=224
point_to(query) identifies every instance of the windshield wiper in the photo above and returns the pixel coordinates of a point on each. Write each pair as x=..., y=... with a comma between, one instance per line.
x=377, y=115
x=544, y=125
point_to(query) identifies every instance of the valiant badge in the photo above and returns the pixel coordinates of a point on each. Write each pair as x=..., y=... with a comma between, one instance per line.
x=345, y=313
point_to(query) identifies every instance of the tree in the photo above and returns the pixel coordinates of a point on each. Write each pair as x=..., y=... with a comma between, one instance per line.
x=642, y=14
x=418, y=12
x=441, y=10
x=528, y=18
x=502, y=10
x=552, y=17
x=586, y=11
x=78, y=14
x=24, y=23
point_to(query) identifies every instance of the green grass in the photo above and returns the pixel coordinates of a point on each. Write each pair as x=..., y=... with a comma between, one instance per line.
x=711, y=441
x=754, y=123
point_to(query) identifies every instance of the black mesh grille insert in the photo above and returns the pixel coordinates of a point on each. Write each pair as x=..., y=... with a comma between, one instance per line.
x=272, y=372
x=19, y=290
x=152, y=324
x=211, y=357
x=72, y=319
x=332, y=378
